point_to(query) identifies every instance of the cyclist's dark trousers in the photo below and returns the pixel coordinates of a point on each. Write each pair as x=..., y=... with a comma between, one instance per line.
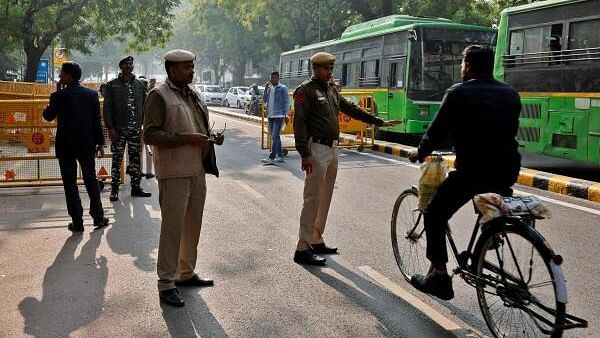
x=452, y=194
x=131, y=137
x=68, y=172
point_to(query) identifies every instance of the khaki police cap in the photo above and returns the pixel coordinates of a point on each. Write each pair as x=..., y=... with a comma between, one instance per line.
x=322, y=59
x=179, y=55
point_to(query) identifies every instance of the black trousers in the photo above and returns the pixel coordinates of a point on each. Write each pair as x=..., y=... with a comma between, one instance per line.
x=452, y=194
x=68, y=172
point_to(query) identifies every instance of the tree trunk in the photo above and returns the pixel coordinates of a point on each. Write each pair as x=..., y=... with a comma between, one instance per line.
x=33, y=45
x=215, y=68
x=239, y=72
x=33, y=59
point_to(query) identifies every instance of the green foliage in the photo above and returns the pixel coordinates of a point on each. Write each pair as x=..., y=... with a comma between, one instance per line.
x=79, y=24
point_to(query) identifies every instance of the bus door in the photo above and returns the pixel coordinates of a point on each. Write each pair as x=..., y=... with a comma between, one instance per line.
x=396, y=84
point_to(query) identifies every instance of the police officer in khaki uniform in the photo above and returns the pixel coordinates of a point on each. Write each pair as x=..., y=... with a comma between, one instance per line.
x=176, y=126
x=317, y=104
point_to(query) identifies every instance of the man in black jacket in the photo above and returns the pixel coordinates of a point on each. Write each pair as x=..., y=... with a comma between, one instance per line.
x=79, y=136
x=481, y=117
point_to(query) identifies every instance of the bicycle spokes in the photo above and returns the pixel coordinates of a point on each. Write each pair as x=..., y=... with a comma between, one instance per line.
x=516, y=288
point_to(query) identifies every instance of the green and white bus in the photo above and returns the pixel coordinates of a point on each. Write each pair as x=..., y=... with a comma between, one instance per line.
x=405, y=63
x=550, y=52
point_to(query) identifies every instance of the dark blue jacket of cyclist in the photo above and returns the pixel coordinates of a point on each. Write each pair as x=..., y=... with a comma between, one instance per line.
x=481, y=118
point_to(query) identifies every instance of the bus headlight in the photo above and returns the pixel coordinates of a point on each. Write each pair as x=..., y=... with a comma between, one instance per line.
x=423, y=111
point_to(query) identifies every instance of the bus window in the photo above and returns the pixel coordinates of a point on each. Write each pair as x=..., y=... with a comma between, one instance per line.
x=435, y=60
x=303, y=67
x=530, y=46
x=395, y=44
x=285, y=69
x=354, y=55
x=584, y=35
x=350, y=74
x=537, y=40
x=370, y=74
x=371, y=52
x=516, y=47
x=294, y=67
x=397, y=74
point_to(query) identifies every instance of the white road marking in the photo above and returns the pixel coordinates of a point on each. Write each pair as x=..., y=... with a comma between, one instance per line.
x=249, y=189
x=546, y=199
x=443, y=321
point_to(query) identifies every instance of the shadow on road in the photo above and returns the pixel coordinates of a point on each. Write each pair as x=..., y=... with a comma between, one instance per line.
x=396, y=318
x=135, y=232
x=73, y=290
x=192, y=320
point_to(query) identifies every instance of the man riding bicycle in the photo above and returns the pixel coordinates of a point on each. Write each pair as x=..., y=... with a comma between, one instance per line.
x=481, y=117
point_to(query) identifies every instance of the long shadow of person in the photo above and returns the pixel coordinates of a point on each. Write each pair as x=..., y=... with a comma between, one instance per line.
x=135, y=231
x=193, y=320
x=73, y=290
x=396, y=317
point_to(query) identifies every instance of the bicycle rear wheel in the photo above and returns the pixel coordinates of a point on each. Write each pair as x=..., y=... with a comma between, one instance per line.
x=518, y=293
x=408, y=235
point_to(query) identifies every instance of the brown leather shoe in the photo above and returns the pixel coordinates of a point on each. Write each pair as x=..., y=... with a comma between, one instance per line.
x=195, y=280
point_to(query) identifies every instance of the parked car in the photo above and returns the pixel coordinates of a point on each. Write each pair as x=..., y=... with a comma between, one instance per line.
x=235, y=97
x=211, y=94
x=247, y=96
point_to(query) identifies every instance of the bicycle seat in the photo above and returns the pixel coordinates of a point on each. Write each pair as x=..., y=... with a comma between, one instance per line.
x=491, y=206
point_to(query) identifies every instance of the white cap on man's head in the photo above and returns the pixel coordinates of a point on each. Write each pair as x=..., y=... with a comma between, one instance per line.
x=179, y=55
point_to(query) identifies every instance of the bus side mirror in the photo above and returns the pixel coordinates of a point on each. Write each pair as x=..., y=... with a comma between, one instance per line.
x=412, y=35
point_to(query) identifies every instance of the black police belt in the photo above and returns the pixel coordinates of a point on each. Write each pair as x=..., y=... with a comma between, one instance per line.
x=325, y=142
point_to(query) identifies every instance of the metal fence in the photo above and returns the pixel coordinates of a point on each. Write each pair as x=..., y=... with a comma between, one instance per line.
x=27, y=156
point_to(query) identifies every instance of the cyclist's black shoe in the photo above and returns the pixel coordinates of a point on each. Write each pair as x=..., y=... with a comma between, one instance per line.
x=436, y=284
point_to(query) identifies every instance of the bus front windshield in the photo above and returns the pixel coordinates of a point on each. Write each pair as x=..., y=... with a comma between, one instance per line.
x=436, y=58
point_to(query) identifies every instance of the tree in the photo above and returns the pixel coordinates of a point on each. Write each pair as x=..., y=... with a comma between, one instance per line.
x=79, y=24
x=233, y=43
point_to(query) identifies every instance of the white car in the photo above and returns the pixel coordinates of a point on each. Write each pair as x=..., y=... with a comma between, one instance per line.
x=235, y=97
x=211, y=94
x=247, y=96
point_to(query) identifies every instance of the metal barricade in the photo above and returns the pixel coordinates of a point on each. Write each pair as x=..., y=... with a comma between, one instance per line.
x=27, y=156
x=363, y=134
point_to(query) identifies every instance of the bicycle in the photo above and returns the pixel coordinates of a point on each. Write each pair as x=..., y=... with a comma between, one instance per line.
x=507, y=291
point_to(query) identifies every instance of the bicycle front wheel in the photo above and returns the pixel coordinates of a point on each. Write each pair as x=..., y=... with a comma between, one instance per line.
x=408, y=235
x=518, y=293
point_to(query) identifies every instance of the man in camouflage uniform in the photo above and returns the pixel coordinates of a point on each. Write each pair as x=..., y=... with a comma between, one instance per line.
x=123, y=115
x=317, y=104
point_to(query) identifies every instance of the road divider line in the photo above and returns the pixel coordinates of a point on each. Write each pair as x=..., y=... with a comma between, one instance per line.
x=249, y=189
x=443, y=321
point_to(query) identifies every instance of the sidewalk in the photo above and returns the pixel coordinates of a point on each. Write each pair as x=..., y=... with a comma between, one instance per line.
x=564, y=185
